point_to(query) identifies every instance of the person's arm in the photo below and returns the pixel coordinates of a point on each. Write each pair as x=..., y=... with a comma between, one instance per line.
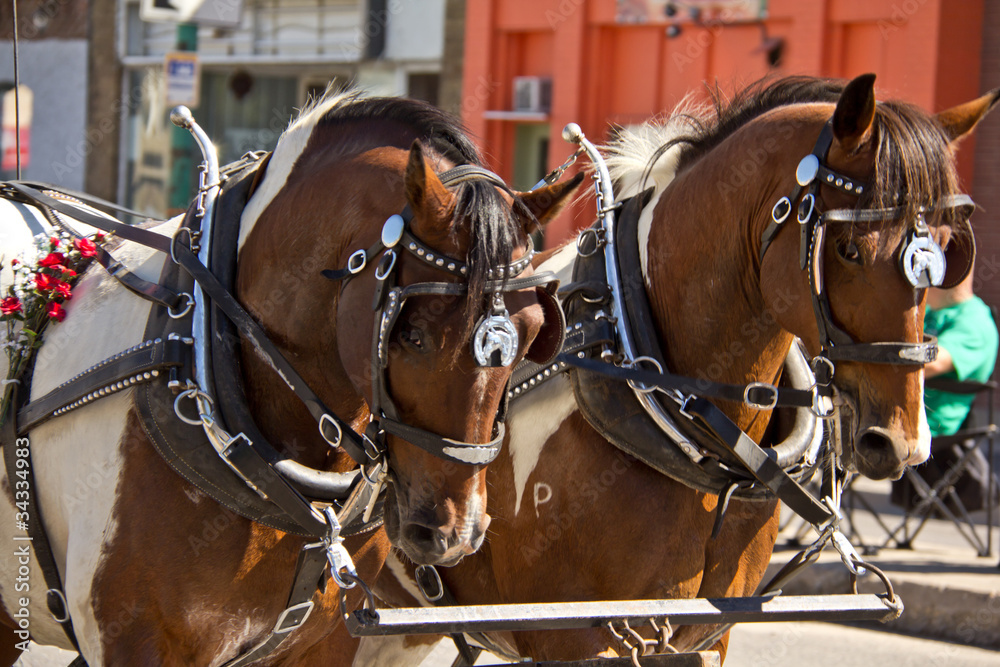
x=942, y=364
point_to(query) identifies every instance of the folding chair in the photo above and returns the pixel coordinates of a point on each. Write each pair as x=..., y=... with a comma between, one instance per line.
x=942, y=495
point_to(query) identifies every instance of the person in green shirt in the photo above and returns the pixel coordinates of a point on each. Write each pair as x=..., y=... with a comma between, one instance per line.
x=967, y=350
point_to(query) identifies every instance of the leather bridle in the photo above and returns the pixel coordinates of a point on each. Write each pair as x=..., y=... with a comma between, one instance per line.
x=920, y=254
x=495, y=339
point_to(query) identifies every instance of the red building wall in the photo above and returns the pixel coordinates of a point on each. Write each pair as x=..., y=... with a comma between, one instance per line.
x=928, y=52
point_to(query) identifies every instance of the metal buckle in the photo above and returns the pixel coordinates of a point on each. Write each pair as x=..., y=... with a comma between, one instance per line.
x=590, y=233
x=780, y=211
x=385, y=265
x=426, y=576
x=357, y=261
x=803, y=219
x=760, y=385
x=279, y=628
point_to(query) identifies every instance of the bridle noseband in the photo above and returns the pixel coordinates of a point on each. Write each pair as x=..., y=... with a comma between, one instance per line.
x=495, y=339
x=922, y=261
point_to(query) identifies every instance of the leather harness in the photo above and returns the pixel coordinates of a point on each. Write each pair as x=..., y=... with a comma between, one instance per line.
x=267, y=487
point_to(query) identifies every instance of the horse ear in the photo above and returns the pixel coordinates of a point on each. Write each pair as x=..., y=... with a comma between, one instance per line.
x=959, y=121
x=424, y=190
x=855, y=114
x=546, y=202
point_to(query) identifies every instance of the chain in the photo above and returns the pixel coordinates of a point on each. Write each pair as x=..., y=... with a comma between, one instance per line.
x=637, y=645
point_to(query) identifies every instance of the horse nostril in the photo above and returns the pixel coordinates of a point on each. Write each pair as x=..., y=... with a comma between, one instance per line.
x=875, y=443
x=428, y=540
x=878, y=455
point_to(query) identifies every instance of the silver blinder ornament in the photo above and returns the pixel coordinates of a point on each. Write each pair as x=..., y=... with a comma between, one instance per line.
x=494, y=342
x=923, y=262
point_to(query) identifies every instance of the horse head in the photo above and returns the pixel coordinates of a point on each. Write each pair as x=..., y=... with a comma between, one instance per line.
x=879, y=218
x=423, y=251
x=446, y=352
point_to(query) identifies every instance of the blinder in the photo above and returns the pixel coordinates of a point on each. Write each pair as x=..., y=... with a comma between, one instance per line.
x=549, y=342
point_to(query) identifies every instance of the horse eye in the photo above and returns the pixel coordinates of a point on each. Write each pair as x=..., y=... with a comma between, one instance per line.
x=849, y=253
x=412, y=337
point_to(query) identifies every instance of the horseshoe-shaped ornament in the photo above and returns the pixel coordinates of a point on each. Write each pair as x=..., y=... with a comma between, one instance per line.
x=923, y=262
x=494, y=343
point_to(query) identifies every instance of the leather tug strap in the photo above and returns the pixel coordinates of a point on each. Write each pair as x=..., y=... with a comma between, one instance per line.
x=55, y=595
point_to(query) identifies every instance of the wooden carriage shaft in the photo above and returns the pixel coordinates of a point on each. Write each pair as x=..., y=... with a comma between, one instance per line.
x=576, y=615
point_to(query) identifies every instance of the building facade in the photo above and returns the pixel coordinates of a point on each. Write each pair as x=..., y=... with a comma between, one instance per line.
x=254, y=75
x=531, y=66
x=52, y=64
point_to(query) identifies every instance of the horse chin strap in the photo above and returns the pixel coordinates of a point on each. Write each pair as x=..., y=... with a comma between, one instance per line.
x=495, y=339
x=922, y=261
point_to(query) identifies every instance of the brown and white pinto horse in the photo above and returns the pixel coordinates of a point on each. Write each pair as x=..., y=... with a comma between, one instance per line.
x=156, y=572
x=575, y=519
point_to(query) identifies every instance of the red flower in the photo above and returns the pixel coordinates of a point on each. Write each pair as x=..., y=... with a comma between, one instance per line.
x=86, y=247
x=99, y=237
x=54, y=240
x=45, y=283
x=64, y=290
x=10, y=305
x=52, y=259
x=15, y=262
x=56, y=312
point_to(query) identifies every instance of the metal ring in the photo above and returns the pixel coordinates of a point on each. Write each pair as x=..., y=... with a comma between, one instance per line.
x=327, y=419
x=585, y=234
x=62, y=599
x=196, y=394
x=173, y=241
x=357, y=261
x=433, y=577
x=187, y=307
x=638, y=386
x=382, y=271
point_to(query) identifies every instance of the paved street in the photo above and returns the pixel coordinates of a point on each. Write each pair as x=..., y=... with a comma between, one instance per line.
x=821, y=645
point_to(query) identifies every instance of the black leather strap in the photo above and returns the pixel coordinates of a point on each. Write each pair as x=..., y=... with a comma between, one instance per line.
x=39, y=540
x=760, y=395
x=350, y=440
x=135, y=365
x=309, y=577
x=757, y=461
x=119, y=229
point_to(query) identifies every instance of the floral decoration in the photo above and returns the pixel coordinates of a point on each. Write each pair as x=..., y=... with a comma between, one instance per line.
x=43, y=282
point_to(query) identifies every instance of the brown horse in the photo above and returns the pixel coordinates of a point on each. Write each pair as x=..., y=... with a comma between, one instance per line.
x=577, y=519
x=157, y=572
